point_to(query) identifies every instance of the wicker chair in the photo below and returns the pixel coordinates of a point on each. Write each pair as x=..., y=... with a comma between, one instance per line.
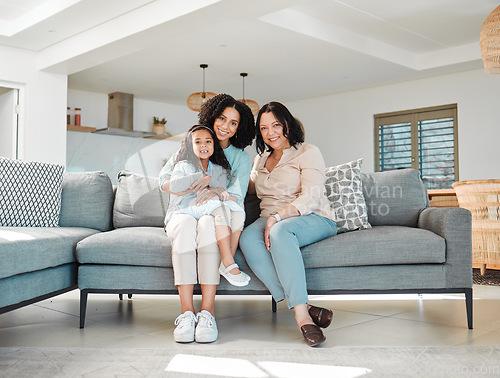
x=482, y=198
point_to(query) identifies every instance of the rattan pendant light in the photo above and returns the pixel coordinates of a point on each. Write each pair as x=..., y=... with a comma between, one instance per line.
x=254, y=107
x=195, y=100
x=489, y=41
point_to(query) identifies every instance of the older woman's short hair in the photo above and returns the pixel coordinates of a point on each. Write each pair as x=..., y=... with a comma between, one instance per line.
x=292, y=127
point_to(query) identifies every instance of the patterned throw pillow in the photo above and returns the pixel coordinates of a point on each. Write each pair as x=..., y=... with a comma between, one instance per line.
x=30, y=193
x=345, y=192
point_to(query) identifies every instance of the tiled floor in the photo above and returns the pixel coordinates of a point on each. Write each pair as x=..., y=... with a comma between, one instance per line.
x=246, y=322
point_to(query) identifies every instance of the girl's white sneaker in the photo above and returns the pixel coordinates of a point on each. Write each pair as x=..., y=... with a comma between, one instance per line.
x=186, y=325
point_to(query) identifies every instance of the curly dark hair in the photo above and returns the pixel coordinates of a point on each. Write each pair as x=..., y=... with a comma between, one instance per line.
x=213, y=108
x=292, y=127
x=186, y=151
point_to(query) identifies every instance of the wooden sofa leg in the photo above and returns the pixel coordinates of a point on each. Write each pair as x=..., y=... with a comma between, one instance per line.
x=273, y=304
x=468, y=305
x=483, y=269
x=83, y=306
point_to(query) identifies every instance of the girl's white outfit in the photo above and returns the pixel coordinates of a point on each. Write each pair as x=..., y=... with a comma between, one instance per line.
x=183, y=175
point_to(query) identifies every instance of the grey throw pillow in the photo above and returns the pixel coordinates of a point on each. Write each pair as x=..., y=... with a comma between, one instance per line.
x=87, y=200
x=344, y=190
x=138, y=201
x=30, y=193
x=394, y=198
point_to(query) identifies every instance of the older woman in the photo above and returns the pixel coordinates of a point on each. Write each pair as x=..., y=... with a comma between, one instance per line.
x=288, y=177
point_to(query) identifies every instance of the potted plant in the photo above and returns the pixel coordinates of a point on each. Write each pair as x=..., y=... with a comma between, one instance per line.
x=159, y=125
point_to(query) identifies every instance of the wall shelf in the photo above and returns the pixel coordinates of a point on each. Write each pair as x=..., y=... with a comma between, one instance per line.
x=88, y=129
x=160, y=136
x=82, y=129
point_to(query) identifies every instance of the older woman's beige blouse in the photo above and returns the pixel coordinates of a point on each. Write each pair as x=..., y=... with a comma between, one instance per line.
x=297, y=179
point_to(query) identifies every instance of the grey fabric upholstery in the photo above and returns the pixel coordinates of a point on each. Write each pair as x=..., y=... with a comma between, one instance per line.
x=26, y=286
x=394, y=198
x=454, y=224
x=380, y=245
x=27, y=249
x=142, y=246
x=38, y=263
x=382, y=277
x=87, y=200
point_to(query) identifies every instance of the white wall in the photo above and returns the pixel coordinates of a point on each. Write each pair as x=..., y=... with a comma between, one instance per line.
x=111, y=154
x=95, y=112
x=43, y=110
x=341, y=125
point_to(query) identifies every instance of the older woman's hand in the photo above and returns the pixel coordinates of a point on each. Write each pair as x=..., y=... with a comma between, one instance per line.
x=271, y=221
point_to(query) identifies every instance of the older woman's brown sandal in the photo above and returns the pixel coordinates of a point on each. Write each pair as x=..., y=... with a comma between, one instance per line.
x=312, y=334
x=322, y=317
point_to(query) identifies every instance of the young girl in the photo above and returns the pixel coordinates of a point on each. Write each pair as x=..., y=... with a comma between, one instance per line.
x=201, y=157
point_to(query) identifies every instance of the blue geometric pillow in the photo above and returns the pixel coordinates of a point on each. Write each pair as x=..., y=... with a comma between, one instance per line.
x=30, y=193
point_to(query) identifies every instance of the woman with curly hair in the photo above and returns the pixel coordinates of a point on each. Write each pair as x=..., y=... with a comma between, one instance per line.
x=288, y=176
x=193, y=240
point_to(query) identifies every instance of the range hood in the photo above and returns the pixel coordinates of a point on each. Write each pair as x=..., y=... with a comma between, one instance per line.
x=121, y=117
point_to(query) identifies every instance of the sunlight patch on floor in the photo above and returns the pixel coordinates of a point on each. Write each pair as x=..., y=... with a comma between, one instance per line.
x=236, y=367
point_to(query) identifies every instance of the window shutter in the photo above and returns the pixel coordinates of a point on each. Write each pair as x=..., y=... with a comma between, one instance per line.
x=436, y=147
x=395, y=146
x=423, y=139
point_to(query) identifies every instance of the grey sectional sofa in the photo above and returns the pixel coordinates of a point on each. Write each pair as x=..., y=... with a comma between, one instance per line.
x=411, y=248
x=40, y=262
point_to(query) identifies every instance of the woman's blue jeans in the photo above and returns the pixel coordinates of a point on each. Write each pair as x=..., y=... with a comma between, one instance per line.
x=282, y=268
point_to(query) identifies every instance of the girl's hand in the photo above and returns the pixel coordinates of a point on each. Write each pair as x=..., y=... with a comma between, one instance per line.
x=205, y=195
x=271, y=221
x=201, y=183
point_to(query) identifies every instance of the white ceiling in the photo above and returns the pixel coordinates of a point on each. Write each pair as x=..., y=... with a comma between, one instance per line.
x=291, y=49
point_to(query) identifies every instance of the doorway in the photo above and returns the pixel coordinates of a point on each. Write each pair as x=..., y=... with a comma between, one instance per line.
x=9, y=122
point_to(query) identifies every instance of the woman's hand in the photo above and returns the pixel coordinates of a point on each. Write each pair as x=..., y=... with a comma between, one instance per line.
x=205, y=195
x=201, y=183
x=271, y=221
x=222, y=193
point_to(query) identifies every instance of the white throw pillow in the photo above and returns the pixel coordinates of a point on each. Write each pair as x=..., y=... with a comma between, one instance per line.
x=344, y=190
x=30, y=193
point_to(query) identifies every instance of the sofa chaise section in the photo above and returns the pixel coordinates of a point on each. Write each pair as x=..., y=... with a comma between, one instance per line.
x=40, y=262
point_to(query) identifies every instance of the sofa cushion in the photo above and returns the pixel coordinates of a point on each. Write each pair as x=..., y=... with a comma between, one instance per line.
x=380, y=245
x=394, y=197
x=87, y=200
x=139, y=201
x=146, y=246
x=27, y=249
x=30, y=193
x=344, y=191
